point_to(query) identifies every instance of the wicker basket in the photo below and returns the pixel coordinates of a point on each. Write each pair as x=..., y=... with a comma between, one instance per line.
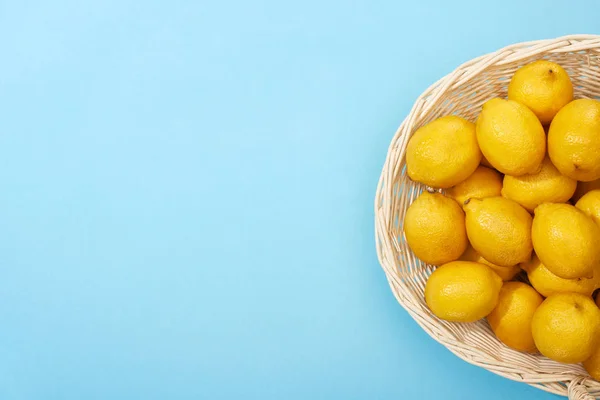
x=462, y=93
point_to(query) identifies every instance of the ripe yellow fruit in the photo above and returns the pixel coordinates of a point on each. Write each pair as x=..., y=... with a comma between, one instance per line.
x=546, y=186
x=566, y=327
x=484, y=182
x=511, y=137
x=589, y=203
x=584, y=187
x=443, y=153
x=506, y=273
x=462, y=291
x=547, y=284
x=511, y=319
x=499, y=229
x=543, y=86
x=592, y=364
x=566, y=240
x=485, y=162
x=434, y=226
x=574, y=142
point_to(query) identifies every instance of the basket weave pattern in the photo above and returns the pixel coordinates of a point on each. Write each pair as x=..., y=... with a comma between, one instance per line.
x=462, y=93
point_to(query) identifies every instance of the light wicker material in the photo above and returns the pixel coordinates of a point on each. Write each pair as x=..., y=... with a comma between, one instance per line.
x=462, y=93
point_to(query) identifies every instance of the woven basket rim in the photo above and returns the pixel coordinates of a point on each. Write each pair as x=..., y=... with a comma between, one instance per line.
x=571, y=383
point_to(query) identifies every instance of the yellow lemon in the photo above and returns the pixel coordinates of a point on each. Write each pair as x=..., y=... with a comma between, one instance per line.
x=462, y=291
x=434, y=226
x=543, y=86
x=485, y=162
x=546, y=186
x=592, y=364
x=484, y=182
x=506, y=273
x=547, y=284
x=511, y=137
x=574, y=140
x=511, y=319
x=566, y=327
x=443, y=153
x=566, y=240
x=499, y=229
x=584, y=187
x=589, y=203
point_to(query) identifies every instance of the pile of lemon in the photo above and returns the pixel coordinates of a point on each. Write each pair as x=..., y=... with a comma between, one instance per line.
x=522, y=193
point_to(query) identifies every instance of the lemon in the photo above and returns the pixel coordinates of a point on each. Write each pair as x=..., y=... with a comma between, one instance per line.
x=443, y=153
x=485, y=162
x=547, y=284
x=546, y=186
x=434, y=226
x=566, y=327
x=462, y=291
x=543, y=86
x=484, y=182
x=589, y=203
x=511, y=137
x=566, y=240
x=592, y=364
x=506, y=273
x=574, y=140
x=584, y=187
x=499, y=229
x=598, y=300
x=511, y=319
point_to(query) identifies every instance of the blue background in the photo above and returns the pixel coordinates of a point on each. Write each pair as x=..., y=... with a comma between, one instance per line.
x=187, y=188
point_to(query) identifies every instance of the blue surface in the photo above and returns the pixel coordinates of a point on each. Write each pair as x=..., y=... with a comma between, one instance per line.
x=187, y=188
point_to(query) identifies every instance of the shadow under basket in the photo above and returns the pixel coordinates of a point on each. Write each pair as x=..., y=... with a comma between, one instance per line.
x=462, y=93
